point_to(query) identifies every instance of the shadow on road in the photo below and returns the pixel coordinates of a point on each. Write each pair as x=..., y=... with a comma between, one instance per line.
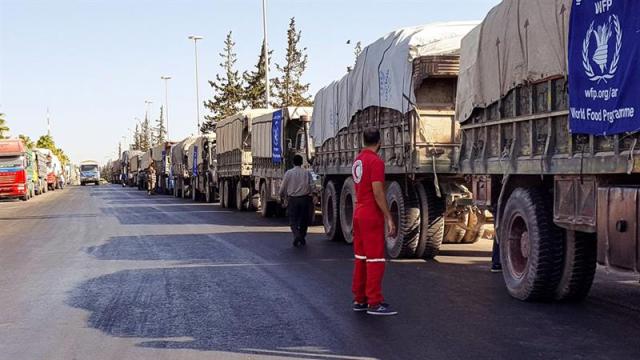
x=238, y=248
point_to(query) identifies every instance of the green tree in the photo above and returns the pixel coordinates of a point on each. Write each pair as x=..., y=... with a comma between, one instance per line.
x=47, y=142
x=227, y=89
x=27, y=141
x=255, y=86
x=160, y=130
x=145, y=134
x=3, y=126
x=136, y=139
x=289, y=89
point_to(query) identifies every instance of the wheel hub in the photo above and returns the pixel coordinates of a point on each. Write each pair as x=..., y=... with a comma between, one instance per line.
x=524, y=244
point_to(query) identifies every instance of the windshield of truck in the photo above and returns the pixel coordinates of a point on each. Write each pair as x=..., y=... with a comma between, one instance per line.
x=11, y=162
x=89, y=168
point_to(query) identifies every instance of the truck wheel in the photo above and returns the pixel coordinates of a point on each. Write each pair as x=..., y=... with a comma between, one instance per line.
x=580, y=259
x=242, y=197
x=431, y=222
x=347, y=206
x=266, y=207
x=406, y=214
x=207, y=193
x=331, y=211
x=530, y=246
x=224, y=197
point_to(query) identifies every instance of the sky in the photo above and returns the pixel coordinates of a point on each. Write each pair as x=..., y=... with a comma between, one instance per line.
x=93, y=63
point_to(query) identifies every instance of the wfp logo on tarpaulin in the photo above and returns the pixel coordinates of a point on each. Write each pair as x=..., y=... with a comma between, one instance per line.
x=604, y=47
x=602, y=35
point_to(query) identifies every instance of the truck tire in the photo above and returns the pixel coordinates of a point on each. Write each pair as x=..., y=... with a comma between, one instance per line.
x=530, y=246
x=242, y=197
x=431, y=222
x=331, y=211
x=580, y=260
x=406, y=214
x=266, y=207
x=347, y=207
x=208, y=198
x=224, y=197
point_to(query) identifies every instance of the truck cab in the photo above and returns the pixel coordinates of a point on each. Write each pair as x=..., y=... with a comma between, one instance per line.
x=89, y=173
x=14, y=177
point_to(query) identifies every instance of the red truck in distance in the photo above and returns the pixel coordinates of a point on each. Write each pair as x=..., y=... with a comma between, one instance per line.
x=13, y=170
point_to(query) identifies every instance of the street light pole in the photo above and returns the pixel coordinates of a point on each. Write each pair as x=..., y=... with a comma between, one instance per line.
x=195, y=39
x=166, y=100
x=266, y=55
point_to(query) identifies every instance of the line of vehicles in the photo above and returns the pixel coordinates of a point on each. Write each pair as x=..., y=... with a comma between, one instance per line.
x=25, y=173
x=475, y=128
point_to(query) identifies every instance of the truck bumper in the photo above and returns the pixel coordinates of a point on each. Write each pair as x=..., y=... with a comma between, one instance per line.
x=14, y=191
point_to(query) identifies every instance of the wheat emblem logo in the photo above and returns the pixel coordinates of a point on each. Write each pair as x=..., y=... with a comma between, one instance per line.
x=602, y=34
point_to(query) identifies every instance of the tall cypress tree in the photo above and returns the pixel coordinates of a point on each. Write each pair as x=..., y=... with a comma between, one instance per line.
x=289, y=89
x=227, y=89
x=136, y=139
x=145, y=134
x=255, y=86
x=161, y=130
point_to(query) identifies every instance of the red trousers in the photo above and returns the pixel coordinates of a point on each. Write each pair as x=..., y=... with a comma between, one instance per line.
x=368, y=247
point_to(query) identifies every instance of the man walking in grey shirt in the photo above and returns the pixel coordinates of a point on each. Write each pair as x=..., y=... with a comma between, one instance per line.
x=296, y=188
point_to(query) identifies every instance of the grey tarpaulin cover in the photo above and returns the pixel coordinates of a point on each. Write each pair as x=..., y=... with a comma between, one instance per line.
x=519, y=41
x=382, y=75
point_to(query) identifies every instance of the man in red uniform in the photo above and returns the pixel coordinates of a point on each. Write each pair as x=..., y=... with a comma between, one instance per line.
x=370, y=216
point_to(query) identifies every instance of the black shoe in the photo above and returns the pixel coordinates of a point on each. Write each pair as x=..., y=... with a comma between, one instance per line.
x=296, y=243
x=496, y=268
x=381, y=310
x=303, y=242
x=357, y=307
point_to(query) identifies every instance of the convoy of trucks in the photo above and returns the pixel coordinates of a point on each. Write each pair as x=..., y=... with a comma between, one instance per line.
x=25, y=173
x=481, y=123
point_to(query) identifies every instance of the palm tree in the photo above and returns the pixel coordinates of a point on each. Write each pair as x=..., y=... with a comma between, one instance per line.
x=3, y=126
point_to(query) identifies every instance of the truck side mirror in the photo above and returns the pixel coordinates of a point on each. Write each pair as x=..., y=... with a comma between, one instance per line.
x=289, y=144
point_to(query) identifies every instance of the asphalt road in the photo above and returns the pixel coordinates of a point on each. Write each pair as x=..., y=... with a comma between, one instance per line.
x=109, y=273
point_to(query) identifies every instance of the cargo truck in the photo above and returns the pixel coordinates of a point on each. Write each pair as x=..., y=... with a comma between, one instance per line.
x=404, y=84
x=180, y=172
x=14, y=170
x=134, y=161
x=53, y=166
x=127, y=159
x=276, y=137
x=161, y=156
x=41, y=169
x=202, y=162
x=548, y=104
x=89, y=173
x=234, y=158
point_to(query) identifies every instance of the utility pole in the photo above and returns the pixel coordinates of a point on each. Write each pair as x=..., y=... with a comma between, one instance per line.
x=266, y=54
x=48, y=124
x=195, y=39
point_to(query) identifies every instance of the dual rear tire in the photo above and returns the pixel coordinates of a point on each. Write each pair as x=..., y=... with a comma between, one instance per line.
x=540, y=261
x=419, y=217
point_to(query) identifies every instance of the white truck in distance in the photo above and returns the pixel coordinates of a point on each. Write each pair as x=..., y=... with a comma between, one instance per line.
x=89, y=172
